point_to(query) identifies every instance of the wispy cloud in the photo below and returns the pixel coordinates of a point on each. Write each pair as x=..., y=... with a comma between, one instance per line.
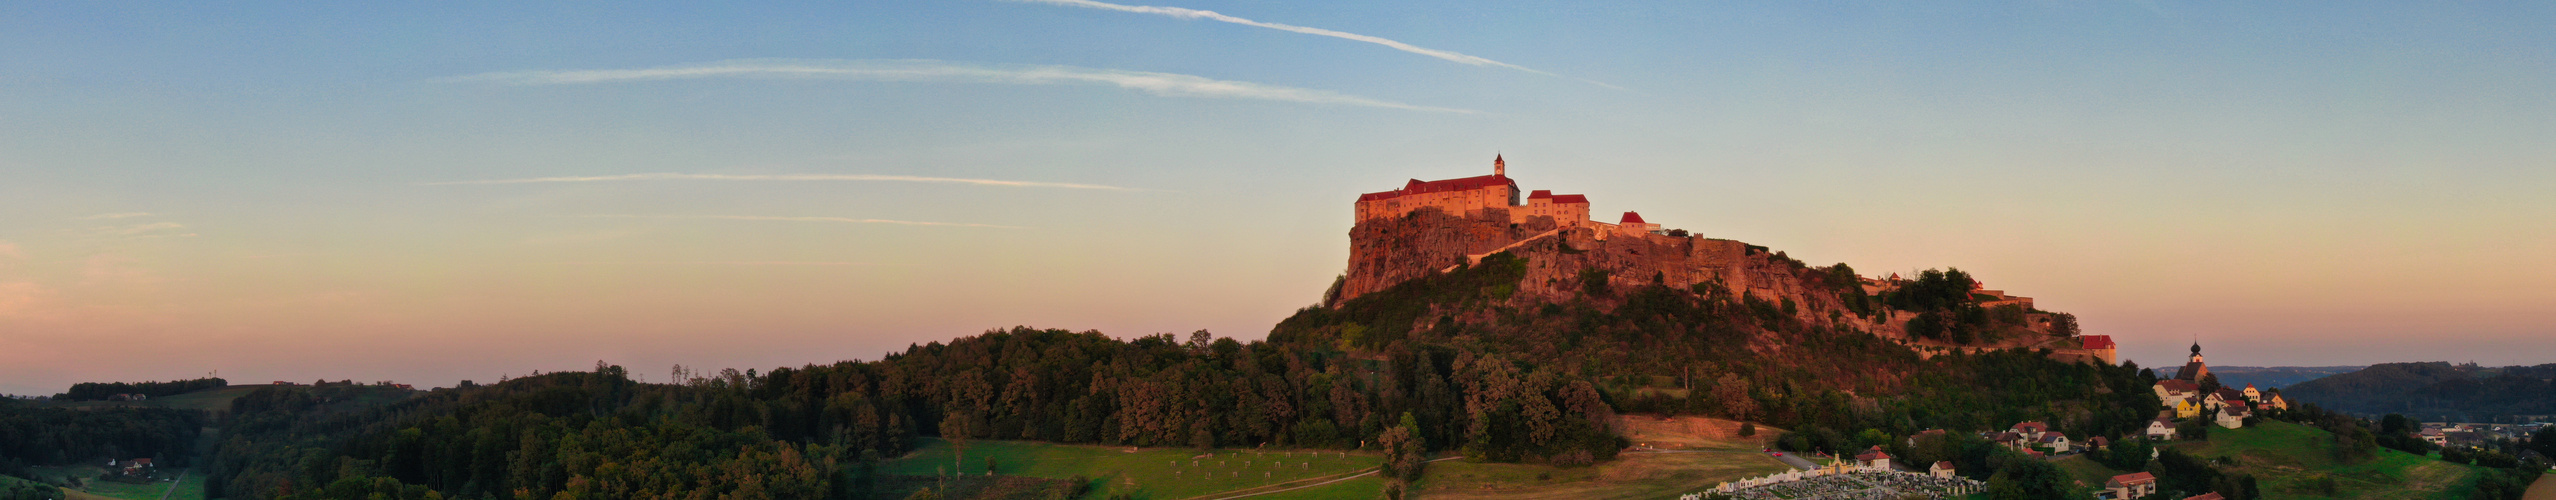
x=788, y=177
x=1210, y=15
x=151, y=229
x=118, y=215
x=919, y=70
x=849, y=220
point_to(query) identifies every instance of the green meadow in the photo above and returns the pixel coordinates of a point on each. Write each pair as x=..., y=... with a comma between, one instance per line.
x=1145, y=473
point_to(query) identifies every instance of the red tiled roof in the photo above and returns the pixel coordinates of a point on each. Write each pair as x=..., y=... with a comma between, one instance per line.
x=2207, y=496
x=2032, y=425
x=1540, y=194
x=1632, y=218
x=2178, y=385
x=1567, y=199
x=1867, y=457
x=1944, y=464
x=2096, y=341
x=2131, y=478
x=1417, y=186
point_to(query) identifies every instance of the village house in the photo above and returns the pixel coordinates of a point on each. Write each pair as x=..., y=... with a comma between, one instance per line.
x=2097, y=443
x=2161, y=429
x=2251, y=395
x=2277, y=402
x=2056, y=442
x=2132, y=485
x=2009, y=440
x=2187, y=408
x=2169, y=390
x=2101, y=346
x=1874, y=459
x=1942, y=469
x=2031, y=430
x=2231, y=417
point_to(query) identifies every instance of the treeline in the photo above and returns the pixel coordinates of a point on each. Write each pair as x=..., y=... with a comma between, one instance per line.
x=31, y=436
x=562, y=435
x=28, y=490
x=1439, y=363
x=810, y=431
x=101, y=391
x=2436, y=391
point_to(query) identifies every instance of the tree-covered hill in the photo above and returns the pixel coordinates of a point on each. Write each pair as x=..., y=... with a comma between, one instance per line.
x=2436, y=391
x=1433, y=364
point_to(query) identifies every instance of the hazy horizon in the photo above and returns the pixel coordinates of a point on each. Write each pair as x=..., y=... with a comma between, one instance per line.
x=428, y=193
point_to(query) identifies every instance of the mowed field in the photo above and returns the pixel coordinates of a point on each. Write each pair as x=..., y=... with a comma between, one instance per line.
x=1146, y=473
x=2289, y=458
x=110, y=489
x=2544, y=489
x=1694, y=454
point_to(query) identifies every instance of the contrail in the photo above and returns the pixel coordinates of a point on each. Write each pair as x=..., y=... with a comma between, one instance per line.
x=788, y=177
x=924, y=70
x=1210, y=15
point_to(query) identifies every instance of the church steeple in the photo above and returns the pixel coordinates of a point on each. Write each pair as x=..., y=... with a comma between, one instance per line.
x=1499, y=166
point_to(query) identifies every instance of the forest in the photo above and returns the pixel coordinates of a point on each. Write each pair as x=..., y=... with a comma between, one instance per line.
x=1435, y=364
x=2436, y=391
x=34, y=436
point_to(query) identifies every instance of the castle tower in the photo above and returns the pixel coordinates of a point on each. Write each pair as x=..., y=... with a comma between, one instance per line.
x=1499, y=166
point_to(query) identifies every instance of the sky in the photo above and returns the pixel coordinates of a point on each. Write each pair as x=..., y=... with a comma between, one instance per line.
x=429, y=192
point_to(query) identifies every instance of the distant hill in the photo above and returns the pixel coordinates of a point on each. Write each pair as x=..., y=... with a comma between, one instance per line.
x=2266, y=377
x=2435, y=391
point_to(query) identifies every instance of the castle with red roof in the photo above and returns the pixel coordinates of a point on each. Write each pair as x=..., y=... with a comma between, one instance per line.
x=1471, y=196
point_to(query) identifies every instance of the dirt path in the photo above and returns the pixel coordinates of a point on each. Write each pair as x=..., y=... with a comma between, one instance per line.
x=2544, y=489
x=173, y=484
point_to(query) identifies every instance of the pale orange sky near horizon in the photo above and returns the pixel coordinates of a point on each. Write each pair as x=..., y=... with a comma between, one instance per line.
x=417, y=194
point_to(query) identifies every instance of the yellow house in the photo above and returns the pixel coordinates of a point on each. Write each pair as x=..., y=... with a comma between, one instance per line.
x=2186, y=408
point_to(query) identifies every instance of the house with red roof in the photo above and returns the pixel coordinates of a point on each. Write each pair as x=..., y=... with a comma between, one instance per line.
x=1942, y=469
x=2101, y=346
x=2132, y=485
x=1873, y=459
x=2031, y=430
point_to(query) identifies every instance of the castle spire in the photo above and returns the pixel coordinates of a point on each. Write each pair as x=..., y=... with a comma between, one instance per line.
x=1499, y=166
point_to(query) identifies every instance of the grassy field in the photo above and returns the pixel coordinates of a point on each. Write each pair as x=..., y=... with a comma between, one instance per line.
x=2086, y=471
x=2544, y=489
x=1150, y=473
x=1631, y=475
x=110, y=489
x=2289, y=459
x=1361, y=488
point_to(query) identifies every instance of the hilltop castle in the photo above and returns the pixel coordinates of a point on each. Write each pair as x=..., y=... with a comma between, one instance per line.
x=1474, y=196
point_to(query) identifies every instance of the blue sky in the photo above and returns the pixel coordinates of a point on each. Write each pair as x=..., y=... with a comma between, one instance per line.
x=286, y=191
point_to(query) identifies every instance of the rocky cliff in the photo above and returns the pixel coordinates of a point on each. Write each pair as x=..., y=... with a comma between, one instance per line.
x=1562, y=263
x=1386, y=252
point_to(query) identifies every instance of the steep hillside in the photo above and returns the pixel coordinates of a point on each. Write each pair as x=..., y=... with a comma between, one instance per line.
x=1568, y=265
x=2435, y=390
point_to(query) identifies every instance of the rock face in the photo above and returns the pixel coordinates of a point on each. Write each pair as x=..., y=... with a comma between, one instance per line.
x=1385, y=252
